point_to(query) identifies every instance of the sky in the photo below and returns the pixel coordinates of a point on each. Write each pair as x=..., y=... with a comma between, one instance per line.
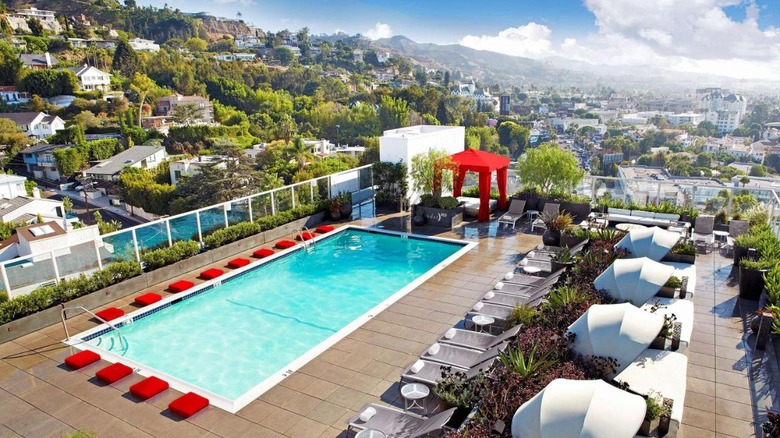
x=738, y=38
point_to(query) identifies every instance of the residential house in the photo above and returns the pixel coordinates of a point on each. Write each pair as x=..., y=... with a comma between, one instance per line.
x=143, y=45
x=192, y=166
x=166, y=105
x=739, y=147
x=39, y=160
x=45, y=238
x=18, y=20
x=26, y=209
x=9, y=95
x=12, y=186
x=143, y=157
x=91, y=79
x=249, y=42
x=678, y=119
x=81, y=43
x=37, y=61
x=296, y=51
x=482, y=97
x=38, y=125
x=245, y=57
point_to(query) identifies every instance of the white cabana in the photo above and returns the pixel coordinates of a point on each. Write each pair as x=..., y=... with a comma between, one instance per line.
x=652, y=242
x=634, y=280
x=660, y=371
x=579, y=408
x=620, y=331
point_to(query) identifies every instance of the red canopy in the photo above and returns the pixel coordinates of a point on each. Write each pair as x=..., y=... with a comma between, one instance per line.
x=485, y=163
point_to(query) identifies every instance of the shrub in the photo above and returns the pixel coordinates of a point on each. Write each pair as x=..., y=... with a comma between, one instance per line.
x=673, y=282
x=48, y=296
x=521, y=315
x=231, y=234
x=287, y=216
x=683, y=248
x=157, y=258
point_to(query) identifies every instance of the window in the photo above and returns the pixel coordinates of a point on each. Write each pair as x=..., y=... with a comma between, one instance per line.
x=177, y=174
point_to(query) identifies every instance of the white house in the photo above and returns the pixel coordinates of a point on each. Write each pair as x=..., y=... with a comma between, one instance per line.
x=12, y=186
x=678, y=119
x=9, y=95
x=245, y=42
x=38, y=125
x=44, y=238
x=143, y=157
x=404, y=143
x=26, y=209
x=482, y=97
x=724, y=110
x=245, y=57
x=192, y=166
x=90, y=78
x=143, y=45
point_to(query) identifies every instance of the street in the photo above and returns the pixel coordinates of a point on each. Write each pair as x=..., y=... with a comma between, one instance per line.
x=108, y=213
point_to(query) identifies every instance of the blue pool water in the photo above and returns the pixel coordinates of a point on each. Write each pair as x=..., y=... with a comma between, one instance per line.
x=230, y=338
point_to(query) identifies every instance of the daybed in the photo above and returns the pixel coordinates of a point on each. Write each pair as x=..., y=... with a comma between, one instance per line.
x=471, y=205
x=642, y=217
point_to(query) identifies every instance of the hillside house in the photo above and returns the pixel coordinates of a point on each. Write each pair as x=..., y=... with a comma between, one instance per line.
x=91, y=79
x=37, y=61
x=142, y=157
x=38, y=125
x=205, y=110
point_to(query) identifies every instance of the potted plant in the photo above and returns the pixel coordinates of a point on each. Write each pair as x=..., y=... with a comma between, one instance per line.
x=444, y=212
x=563, y=258
x=335, y=209
x=554, y=226
x=772, y=285
x=578, y=206
x=771, y=427
x=751, y=276
x=432, y=173
x=682, y=252
x=459, y=392
x=743, y=243
x=659, y=343
x=669, y=289
x=572, y=236
x=531, y=198
x=655, y=409
x=345, y=201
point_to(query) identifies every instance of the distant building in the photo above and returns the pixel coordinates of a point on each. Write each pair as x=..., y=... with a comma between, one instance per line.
x=18, y=20
x=678, y=119
x=39, y=160
x=482, y=97
x=91, y=79
x=143, y=157
x=724, y=110
x=38, y=125
x=46, y=237
x=740, y=147
x=562, y=124
x=35, y=61
x=166, y=105
x=248, y=42
x=9, y=95
x=192, y=166
x=81, y=43
x=12, y=186
x=245, y=57
x=505, y=105
x=143, y=45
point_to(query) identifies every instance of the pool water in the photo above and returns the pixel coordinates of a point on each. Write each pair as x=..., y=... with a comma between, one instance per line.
x=229, y=339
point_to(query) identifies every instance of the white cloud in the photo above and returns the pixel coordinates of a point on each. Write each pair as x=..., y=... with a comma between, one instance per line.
x=682, y=35
x=531, y=40
x=380, y=30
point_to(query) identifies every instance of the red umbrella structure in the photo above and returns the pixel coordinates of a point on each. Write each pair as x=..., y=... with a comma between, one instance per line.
x=485, y=163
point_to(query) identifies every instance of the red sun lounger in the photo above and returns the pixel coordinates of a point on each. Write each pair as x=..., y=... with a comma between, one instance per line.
x=180, y=286
x=188, y=404
x=324, y=229
x=81, y=359
x=148, y=387
x=263, y=253
x=238, y=263
x=210, y=274
x=113, y=373
x=284, y=244
x=147, y=299
x=110, y=313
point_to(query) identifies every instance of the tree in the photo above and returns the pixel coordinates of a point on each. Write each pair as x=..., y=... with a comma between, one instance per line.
x=284, y=55
x=142, y=85
x=35, y=26
x=10, y=64
x=299, y=151
x=196, y=45
x=757, y=170
x=69, y=161
x=744, y=180
x=432, y=172
x=125, y=59
x=12, y=140
x=548, y=168
x=185, y=114
x=706, y=129
x=67, y=204
x=393, y=113
x=513, y=136
x=49, y=83
x=447, y=79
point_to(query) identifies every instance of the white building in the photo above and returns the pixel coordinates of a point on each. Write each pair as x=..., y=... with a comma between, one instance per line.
x=38, y=125
x=12, y=186
x=248, y=42
x=404, y=143
x=143, y=157
x=9, y=95
x=724, y=110
x=47, y=237
x=18, y=20
x=26, y=209
x=192, y=166
x=563, y=124
x=482, y=97
x=143, y=45
x=740, y=147
x=678, y=119
x=245, y=57
x=91, y=79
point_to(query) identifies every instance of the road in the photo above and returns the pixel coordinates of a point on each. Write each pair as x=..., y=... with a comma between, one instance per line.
x=80, y=209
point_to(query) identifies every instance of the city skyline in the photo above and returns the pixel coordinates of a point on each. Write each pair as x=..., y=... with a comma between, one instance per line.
x=738, y=38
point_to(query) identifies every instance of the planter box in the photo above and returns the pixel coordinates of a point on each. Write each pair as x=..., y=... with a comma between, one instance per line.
x=751, y=283
x=437, y=217
x=579, y=211
x=679, y=258
x=570, y=241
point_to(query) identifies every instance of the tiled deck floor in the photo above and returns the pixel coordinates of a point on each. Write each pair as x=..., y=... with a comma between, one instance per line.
x=40, y=397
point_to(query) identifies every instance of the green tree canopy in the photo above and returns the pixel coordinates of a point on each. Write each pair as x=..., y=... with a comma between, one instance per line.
x=49, y=83
x=549, y=168
x=12, y=140
x=125, y=59
x=69, y=161
x=10, y=64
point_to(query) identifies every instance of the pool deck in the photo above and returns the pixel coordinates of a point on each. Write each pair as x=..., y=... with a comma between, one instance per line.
x=39, y=396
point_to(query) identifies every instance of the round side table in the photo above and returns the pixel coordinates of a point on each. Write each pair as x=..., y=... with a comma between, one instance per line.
x=414, y=395
x=482, y=321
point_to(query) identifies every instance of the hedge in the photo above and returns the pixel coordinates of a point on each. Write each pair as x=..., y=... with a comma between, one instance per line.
x=283, y=217
x=45, y=297
x=157, y=258
x=231, y=234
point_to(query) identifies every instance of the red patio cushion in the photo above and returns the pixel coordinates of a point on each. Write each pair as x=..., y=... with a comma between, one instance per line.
x=180, y=286
x=82, y=359
x=324, y=229
x=113, y=372
x=110, y=313
x=188, y=404
x=148, y=387
x=305, y=236
x=263, y=252
x=210, y=274
x=284, y=244
x=238, y=263
x=147, y=298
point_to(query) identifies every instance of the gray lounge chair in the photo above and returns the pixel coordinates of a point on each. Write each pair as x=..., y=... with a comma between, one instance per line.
x=736, y=228
x=703, y=231
x=498, y=312
x=480, y=341
x=527, y=289
x=461, y=357
x=513, y=300
x=431, y=372
x=551, y=209
x=514, y=214
x=396, y=423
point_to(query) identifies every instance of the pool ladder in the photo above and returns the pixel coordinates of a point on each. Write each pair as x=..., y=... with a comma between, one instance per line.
x=307, y=244
x=113, y=327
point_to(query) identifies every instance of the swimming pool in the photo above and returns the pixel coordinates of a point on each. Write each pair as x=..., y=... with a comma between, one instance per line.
x=235, y=339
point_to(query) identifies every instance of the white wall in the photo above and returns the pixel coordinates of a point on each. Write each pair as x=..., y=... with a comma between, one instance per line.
x=404, y=143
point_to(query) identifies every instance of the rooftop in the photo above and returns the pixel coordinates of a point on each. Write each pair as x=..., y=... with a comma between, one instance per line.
x=128, y=157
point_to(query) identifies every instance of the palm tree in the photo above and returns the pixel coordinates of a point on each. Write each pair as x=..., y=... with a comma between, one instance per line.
x=298, y=150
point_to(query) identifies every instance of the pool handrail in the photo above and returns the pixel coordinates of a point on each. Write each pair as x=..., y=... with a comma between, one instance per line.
x=65, y=325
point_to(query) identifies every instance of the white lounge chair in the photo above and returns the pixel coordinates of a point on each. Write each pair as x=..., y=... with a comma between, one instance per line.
x=514, y=213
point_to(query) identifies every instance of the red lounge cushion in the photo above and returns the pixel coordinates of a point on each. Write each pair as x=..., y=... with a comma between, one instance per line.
x=82, y=359
x=263, y=252
x=284, y=244
x=148, y=387
x=180, y=286
x=210, y=274
x=113, y=372
x=188, y=404
x=238, y=263
x=304, y=236
x=148, y=298
x=110, y=313
x=324, y=229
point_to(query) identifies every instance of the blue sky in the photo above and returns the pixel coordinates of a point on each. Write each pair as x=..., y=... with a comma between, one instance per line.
x=740, y=38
